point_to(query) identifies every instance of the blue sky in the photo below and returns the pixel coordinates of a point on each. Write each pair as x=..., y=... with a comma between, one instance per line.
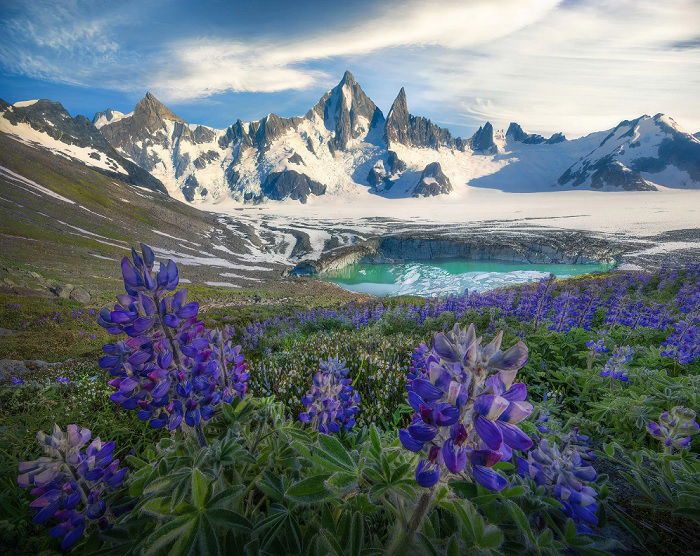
x=571, y=65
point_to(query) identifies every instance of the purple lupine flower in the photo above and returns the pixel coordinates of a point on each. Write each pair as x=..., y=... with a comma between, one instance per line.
x=71, y=483
x=467, y=407
x=332, y=403
x=566, y=472
x=616, y=365
x=16, y=381
x=675, y=428
x=63, y=380
x=170, y=368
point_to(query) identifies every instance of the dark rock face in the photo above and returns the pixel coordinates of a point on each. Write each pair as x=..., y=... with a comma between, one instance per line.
x=377, y=176
x=558, y=137
x=292, y=185
x=191, y=185
x=395, y=164
x=432, y=182
x=515, y=133
x=482, y=140
x=347, y=111
x=205, y=158
x=415, y=131
x=51, y=118
x=265, y=131
x=607, y=172
x=296, y=159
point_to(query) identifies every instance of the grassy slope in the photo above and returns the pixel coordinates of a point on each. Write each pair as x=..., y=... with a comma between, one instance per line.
x=35, y=235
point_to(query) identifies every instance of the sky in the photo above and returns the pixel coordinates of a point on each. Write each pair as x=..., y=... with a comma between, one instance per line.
x=551, y=65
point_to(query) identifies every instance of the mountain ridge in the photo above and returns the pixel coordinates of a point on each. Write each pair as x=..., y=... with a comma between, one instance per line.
x=344, y=144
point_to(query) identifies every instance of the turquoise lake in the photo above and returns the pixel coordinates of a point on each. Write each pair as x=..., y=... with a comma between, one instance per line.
x=448, y=277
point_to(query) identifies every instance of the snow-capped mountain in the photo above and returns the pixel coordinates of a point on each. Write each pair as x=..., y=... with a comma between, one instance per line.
x=344, y=145
x=46, y=124
x=637, y=155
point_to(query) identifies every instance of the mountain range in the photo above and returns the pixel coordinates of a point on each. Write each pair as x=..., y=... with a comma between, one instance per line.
x=345, y=145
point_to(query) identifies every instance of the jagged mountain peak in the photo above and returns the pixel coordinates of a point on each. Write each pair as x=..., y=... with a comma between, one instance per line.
x=516, y=133
x=482, y=141
x=149, y=108
x=347, y=111
x=415, y=131
x=108, y=116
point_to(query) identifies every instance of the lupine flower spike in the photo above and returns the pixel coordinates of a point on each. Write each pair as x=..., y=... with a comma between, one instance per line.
x=565, y=470
x=675, y=428
x=70, y=484
x=170, y=368
x=332, y=403
x=467, y=407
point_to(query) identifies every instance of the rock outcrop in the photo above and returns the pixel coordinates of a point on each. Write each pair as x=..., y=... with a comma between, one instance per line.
x=515, y=133
x=432, y=182
x=291, y=185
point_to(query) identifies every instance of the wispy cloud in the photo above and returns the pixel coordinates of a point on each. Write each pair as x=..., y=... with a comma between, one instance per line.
x=549, y=64
x=206, y=66
x=58, y=41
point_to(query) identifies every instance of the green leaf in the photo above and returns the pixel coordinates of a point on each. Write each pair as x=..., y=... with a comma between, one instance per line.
x=165, y=535
x=374, y=437
x=311, y=489
x=335, y=454
x=513, y=492
x=272, y=487
x=453, y=547
x=545, y=538
x=463, y=489
x=228, y=519
x=157, y=507
x=521, y=521
x=492, y=538
x=200, y=489
x=503, y=466
x=341, y=480
x=357, y=534
x=208, y=542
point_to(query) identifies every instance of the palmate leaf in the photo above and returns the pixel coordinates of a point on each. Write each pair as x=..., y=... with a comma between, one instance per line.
x=332, y=454
x=309, y=490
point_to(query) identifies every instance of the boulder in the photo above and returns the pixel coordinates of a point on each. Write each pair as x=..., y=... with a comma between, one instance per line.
x=80, y=295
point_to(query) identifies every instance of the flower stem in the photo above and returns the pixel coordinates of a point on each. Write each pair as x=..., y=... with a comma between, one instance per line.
x=402, y=541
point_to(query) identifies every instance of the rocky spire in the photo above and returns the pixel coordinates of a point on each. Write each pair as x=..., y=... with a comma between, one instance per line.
x=482, y=140
x=347, y=111
x=416, y=131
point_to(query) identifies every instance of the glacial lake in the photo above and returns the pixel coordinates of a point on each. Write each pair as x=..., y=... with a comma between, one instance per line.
x=448, y=277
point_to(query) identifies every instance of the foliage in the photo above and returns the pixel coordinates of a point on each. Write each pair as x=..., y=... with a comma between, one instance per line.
x=257, y=481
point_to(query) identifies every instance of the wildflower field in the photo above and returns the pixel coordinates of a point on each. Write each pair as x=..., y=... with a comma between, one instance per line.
x=550, y=418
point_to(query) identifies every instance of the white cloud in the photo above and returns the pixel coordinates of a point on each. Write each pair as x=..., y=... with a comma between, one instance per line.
x=205, y=66
x=584, y=67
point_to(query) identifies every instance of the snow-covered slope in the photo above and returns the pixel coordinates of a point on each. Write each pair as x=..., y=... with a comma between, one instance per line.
x=640, y=154
x=47, y=125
